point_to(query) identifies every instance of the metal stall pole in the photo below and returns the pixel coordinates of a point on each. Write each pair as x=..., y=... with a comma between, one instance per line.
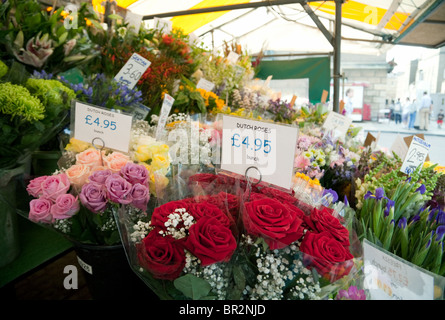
x=337, y=54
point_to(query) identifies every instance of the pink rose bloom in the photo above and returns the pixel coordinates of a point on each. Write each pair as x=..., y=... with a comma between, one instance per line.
x=118, y=189
x=65, y=207
x=135, y=173
x=93, y=197
x=78, y=174
x=90, y=157
x=53, y=186
x=34, y=187
x=40, y=210
x=140, y=195
x=116, y=161
x=99, y=176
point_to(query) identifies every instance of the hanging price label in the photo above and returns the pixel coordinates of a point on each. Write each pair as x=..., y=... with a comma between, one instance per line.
x=92, y=122
x=416, y=155
x=337, y=123
x=267, y=146
x=165, y=111
x=132, y=71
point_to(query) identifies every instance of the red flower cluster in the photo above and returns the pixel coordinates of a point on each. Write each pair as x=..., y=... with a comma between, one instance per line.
x=207, y=226
x=274, y=215
x=202, y=225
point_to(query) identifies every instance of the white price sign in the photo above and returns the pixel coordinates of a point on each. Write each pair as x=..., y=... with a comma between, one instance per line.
x=205, y=84
x=267, y=146
x=92, y=122
x=389, y=278
x=132, y=71
x=165, y=111
x=416, y=155
x=337, y=123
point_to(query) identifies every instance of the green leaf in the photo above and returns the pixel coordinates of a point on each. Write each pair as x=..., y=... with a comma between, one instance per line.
x=115, y=17
x=192, y=286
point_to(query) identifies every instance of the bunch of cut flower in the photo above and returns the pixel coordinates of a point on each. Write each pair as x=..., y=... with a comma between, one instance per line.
x=399, y=220
x=191, y=139
x=101, y=91
x=225, y=238
x=78, y=200
x=182, y=249
x=290, y=249
x=321, y=156
x=31, y=114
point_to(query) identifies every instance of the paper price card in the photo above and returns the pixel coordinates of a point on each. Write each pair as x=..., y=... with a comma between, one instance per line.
x=388, y=277
x=267, y=146
x=132, y=71
x=205, y=84
x=133, y=20
x=92, y=122
x=165, y=111
x=337, y=123
x=416, y=155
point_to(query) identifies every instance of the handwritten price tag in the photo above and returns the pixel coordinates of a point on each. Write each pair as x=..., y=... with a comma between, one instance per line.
x=93, y=122
x=416, y=155
x=132, y=71
x=337, y=123
x=165, y=111
x=205, y=84
x=388, y=277
x=267, y=146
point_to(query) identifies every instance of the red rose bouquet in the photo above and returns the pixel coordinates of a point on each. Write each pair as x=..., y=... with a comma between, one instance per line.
x=183, y=248
x=225, y=238
x=285, y=252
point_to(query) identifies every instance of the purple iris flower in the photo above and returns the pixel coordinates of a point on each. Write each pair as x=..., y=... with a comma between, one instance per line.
x=331, y=192
x=389, y=205
x=421, y=189
x=440, y=231
x=402, y=223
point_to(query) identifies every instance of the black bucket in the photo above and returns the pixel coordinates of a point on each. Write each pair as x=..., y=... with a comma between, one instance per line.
x=108, y=274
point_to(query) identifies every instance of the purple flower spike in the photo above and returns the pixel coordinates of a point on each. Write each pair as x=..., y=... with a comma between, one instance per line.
x=379, y=193
x=353, y=293
x=421, y=189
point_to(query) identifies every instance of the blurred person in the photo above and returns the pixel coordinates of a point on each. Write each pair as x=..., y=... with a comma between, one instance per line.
x=412, y=114
x=440, y=117
x=398, y=111
x=349, y=106
x=405, y=112
x=424, y=111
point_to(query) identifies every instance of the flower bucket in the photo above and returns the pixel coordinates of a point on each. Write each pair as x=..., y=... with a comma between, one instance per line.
x=108, y=274
x=10, y=246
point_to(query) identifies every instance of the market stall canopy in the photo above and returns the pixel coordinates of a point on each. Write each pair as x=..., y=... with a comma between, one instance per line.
x=369, y=27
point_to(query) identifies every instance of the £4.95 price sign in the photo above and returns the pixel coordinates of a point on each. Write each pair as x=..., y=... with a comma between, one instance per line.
x=112, y=128
x=267, y=146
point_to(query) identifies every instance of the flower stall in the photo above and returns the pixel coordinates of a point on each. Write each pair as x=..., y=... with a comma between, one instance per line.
x=141, y=179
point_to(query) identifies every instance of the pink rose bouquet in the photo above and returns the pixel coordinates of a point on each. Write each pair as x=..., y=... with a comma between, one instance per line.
x=80, y=199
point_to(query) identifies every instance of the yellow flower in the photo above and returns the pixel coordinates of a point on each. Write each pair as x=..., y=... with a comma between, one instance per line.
x=77, y=145
x=440, y=169
x=312, y=182
x=427, y=164
x=143, y=153
x=160, y=162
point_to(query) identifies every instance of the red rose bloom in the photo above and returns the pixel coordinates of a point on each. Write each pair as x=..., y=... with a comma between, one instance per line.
x=323, y=220
x=328, y=256
x=163, y=257
x=210, y=241
x=278, y=224
x=202, y=181
x=160, y=214
x=279, y=195
x=205, y=209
